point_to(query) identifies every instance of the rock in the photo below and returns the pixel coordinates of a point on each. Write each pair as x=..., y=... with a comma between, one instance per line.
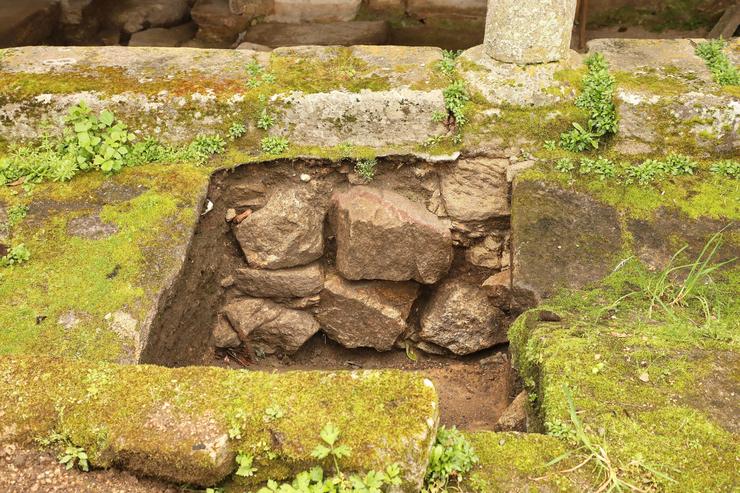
x=91, y=227
x=296, y=282
x=267, y=327
x=425, y=8
x=27, y=22
x=372, y=118
x=223, y=335
x=365, y=313
x=498, y=289
x=515, y=416
x=160, y=36
x=250, y=8
x=548, y=316
x=727, y=24
x=132, y=16
x=253, y=46
x=298, y=11
x=79, y=21
x=4, y=228
x=486, y=253
x=529, y=31
x=460, y=317
x=386, y=5
x=379, y=234
x=216, y=22
x=476, y=190
x=286, y=232
x=518, y=168
x=329, y=34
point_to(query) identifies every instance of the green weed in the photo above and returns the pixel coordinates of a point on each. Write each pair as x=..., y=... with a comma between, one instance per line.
x=365, y=168
x=452, y=457
x=74, y=456
x=15, y=256
x=724, y=72
x=274, y=145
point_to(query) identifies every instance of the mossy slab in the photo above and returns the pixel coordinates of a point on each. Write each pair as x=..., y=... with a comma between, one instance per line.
x=187, y=425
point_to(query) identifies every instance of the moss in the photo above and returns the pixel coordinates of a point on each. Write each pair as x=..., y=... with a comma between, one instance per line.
x=146, y=417
x=95, y=277
x=653, y=82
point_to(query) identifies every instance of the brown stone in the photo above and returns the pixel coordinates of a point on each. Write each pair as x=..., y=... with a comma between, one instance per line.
x=329, y=34
x=218, y=24
x=498, y=289
x=136, y=15
x=296, y=282
x=383, y=235
x=476, y=189
x=365, y=313
x=267, y=327
x=460, y=317
x=515, y=416
x=27, y=22
x=323, y=11
x=286, y=232
x=160, y=36
x=223, y=335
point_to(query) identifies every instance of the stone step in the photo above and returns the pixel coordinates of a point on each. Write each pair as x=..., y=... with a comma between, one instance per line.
x=329, y=34
x=27, y=23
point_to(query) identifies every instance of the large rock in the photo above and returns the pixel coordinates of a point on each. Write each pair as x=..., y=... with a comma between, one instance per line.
x=529, y=31
x=476, y=189
x=383, y=235
x=296, y=282
x=365, y=313
x=264, y=326
x=136, y=15
x=286, y=232
x=27, y=22
x=514, y=418
x=217, y=23
x=80, y=20
x=160, y=36
x=329, y=34
x=297, y=11
x=460, y=317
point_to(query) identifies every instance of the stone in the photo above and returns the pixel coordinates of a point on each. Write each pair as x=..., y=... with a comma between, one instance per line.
x=386, y=5
x=29, y=22
x=365, y=313
x=160, y=36
x=296, y=282
x=267, y=327
x=476, y=189
x=250, y=8
x=79, y=21
x=223, y=335
x=286, y=232
x=498, y=288
x=300, y=11
x=329, y=34
x=425, y=8
x=253, y=46
x=487, y=253
x=132, y=16
x=727, y=24
x=217, y=23
x=514, y=417
x=460, y=317
x=529, y=31
x=383, y=235
x=517, y=168
x=91, y=227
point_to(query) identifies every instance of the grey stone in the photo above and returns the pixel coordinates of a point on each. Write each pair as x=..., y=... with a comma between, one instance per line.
x=529, y=31
x=223, y=335
x=323, y=11
x=487, y=253
x=135, y=15
x=365, y=313
x=267, y=327
x=460, y=317
x=383, y=235
x=296, y=282
x=91, y=227
x=160, y=36
x=476, y=189
x=286, y=232
x=27, y=22
x=253, y=47
x=329, y=34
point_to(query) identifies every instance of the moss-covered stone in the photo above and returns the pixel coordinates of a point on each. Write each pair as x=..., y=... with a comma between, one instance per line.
x=188, y=424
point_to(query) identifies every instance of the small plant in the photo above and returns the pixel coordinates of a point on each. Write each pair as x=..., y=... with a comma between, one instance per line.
x=456, y=97
x=432, y=141
x=439, y=116
x=678, y=165
x=16, y=214
x=258, y=75
x=365, y=168
x=724, y=72
x=74, y=456
x=452, y=457
x=205, y=146
x=274, y=145
x=727, y=167
x=601, y=167
x=643, y=173
x=16, y=256
x=448, y=62
x=273, y=413
x=237, y=130
x=330, y=435
x=565, y=165
x=245, y=468
x=265, y=120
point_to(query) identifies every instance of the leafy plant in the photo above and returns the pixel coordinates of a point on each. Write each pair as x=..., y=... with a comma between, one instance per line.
x=236, y=130
x=245, y=468
x=16, y=214
x=727, y=167
x=724, y=72
x=330, y=435
x=448, y=62
x=205, y=146
x=439, y=116
x=452, y=457
x=273, y=413
x=601, y=167
x=565, y=165
x=365, y=168
x=258, y=75
x=16, y=256
x=274, y=145
x=265, y=120
x=456, y=97
x=74, y=456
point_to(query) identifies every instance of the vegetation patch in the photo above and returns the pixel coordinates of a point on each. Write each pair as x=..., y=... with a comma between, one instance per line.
x=724, y=72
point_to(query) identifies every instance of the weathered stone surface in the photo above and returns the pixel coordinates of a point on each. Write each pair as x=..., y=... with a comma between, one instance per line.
x=498, y=288
x=224, y=335
x=515, y=416
x=728, y=23
x=385, y=5
x=91, y=227
x=297, y=11
x=160, y=36
x=296, y=282
x=253, y=46
x=286, y=232
x=79, y=20
x=217, y=23
x=424, y=8
x=561, y=237
x=267, y=327
x=329, y=34
x=365, y=313
x=476, y=189
x=250, y=8
x=487, y=253
x=383, y=235
x=28, y=22
x=529, y=31
x=460, y=317
x=367, y=118
x=135, y=15
x=4, y=228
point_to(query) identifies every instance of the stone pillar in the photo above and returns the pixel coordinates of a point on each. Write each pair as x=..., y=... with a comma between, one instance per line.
x=529, y=31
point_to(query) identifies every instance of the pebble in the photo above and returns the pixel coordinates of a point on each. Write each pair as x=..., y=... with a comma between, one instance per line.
x=305, y=178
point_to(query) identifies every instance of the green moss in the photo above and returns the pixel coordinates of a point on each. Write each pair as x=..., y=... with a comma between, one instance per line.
x=653, y=82
x=95, y=277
